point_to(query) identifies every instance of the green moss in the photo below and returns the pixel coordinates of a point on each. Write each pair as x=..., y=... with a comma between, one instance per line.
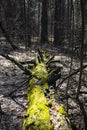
x=38, y=110
x=40, y=71
x=63, y=118
x=36, y=95
x=37, y=115
x=62, y=111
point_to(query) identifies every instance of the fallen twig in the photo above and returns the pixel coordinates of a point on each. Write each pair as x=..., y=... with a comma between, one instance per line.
x=26, y=70
x=71, y=75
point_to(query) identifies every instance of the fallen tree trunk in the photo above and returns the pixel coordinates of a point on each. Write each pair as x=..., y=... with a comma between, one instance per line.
x=43, y=112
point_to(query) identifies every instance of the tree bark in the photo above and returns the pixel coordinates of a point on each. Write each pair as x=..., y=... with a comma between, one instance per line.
x=82, y=48
x=7, y=36
x=59, y=22
x=44, y=22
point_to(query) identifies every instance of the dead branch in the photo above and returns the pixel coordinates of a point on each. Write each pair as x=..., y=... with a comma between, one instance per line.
x=54, y=76
x=28, y=62
x=74, y=73
x=12, y=92
x=26, y=70
x=41, y=59
x=83, y=92
x=50, y=60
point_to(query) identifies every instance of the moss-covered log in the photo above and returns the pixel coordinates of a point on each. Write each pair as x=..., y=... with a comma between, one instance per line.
x=38, y=110
x=43, y=113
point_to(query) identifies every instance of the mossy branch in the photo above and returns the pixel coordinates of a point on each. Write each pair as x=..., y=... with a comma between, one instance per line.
x=40, y=56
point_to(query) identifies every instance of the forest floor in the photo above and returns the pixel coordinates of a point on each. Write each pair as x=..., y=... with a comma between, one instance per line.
x=13, y=84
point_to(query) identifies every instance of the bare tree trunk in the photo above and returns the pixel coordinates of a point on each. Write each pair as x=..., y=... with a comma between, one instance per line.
x=44, y=22
x=25, y=24
x=82, y=48
x=59, y=22
x=7, y=36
